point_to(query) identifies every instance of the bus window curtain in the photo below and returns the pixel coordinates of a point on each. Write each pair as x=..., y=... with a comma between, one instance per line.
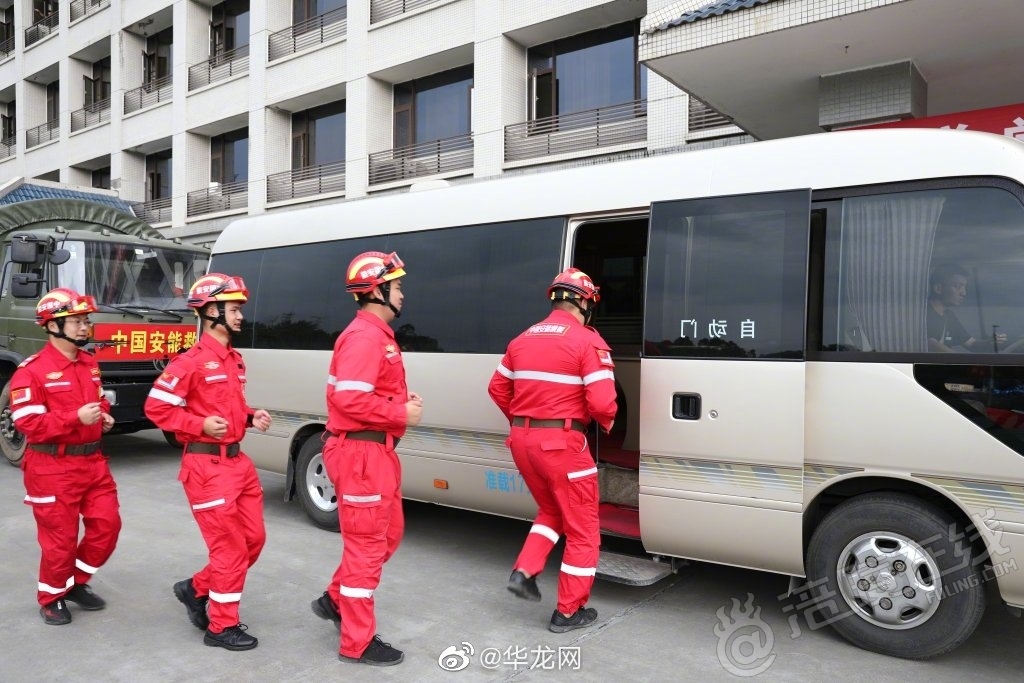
x=886, y=253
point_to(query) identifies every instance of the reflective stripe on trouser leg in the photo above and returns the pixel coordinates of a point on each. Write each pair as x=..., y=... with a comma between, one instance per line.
x=367, y=478
x=582, y=535
x=101, y=520
x=547, y=526
x=56, y=515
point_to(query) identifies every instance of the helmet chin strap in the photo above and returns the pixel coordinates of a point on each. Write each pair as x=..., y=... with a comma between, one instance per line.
x=587, y=312
x=221, y=318
x=386, y=301
x=59, y=334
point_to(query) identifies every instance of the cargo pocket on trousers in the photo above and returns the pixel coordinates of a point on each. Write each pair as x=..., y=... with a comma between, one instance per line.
x=583, y=489
x=362, y=514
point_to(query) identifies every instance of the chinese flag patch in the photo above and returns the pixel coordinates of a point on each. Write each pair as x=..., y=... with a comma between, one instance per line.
x=168, y=380
x=605, y=357
x=21, y=396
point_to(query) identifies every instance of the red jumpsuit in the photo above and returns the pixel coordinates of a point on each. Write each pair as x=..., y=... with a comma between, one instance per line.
x=223, y=489
x=558, y=369
x=47, y=390
x=366, y=391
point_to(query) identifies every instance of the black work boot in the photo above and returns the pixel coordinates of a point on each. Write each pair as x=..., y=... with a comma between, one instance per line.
x=377, y=653
x=523, y=587
x=585, y=616
x=196, y=607
x=56, y=613
x=325, y=608
x=81, y=594
x=231, y=638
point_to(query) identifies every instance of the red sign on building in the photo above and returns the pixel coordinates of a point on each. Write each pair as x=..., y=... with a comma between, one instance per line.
x=141, y=342
x=1008, y=121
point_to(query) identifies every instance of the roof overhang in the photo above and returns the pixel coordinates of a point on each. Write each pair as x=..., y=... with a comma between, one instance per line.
x=760, y=66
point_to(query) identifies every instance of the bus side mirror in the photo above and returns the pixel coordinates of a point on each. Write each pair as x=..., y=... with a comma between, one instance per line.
x=25, y=286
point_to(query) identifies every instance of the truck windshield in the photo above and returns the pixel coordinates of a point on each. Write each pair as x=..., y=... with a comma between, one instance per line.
x=132, y=274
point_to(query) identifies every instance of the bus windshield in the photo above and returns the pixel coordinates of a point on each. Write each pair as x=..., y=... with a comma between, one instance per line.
x=140, y=275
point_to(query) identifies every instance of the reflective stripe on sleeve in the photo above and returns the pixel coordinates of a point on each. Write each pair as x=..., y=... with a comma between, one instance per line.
x=28, y=410
x=582, y=473
x=355, y=592
x=545, y=531
x=598, y=376
x=351, y=385
x=579, y=571
x=505, y=372
x=166, y=397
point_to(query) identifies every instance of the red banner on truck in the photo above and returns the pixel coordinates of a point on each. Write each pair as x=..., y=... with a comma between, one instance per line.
x=126, y=341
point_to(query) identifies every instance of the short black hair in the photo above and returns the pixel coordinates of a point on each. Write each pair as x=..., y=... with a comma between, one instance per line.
x=945, y=272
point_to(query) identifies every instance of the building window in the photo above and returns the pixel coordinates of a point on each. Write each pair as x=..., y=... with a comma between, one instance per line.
x=42, y=9
x=158, y=175
x=229, y=157
x=7, y=24
x=307, y=9
x=101, y=178
x=587, y=71
x=97, y=88
x=318, y=135
x=157, y=58
x=8, y=120
x=229, y=26
x=52, y=101
x=434, y=108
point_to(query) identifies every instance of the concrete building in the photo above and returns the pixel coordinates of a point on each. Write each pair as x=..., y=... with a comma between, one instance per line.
x=199, y=111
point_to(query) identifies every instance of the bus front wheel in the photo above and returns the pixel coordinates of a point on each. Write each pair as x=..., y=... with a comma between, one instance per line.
x=896, y=576
x=314, y=487
x=12, y=442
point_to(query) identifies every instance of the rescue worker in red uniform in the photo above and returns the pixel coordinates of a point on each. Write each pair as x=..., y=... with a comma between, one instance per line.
x=369, y=407
x=554, y=378
x=57, y=403
x=201, y=398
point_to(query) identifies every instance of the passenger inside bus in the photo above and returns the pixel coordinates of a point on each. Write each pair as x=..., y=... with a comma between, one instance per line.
x=947, y=289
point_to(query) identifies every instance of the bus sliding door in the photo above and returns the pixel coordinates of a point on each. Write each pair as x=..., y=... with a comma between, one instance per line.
x=722, y=380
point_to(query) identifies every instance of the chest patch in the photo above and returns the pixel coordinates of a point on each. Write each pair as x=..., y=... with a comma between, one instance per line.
x=211, y=365
x=54, y=375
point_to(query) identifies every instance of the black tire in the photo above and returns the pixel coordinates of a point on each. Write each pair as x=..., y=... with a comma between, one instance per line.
x=172, y=440
x=946, y=596
x=12, y=442
x=314, y=487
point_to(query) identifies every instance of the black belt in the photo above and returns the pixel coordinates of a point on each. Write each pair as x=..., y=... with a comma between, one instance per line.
x=66, y=449
x=229, y=449
x=531, y=423
x=368, y=435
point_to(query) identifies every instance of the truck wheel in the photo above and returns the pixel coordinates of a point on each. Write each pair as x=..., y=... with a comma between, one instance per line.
x=12, y=442
x=896, y=576
x=172, y=440
x=314, y=487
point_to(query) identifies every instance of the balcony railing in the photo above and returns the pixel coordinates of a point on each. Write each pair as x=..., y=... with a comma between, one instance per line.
x=42, y=133
x=42, y=28
x=310, y=32
x=218, y=197
x=90, y=115
x=385, y=9
x=582, y=130
x=8, y=146
x=306, y=182
x=154, y=210
x=702, y=117
x=7, y=48
x=154, y=92
x=219, y=67
x=82, y=8
x=423, y=159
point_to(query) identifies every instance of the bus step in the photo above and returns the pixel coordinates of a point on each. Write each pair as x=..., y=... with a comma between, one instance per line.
x=631, y=570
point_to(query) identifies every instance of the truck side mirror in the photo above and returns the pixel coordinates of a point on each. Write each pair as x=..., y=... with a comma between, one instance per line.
x=26, y=248
x=25, y=286
x=60, y=256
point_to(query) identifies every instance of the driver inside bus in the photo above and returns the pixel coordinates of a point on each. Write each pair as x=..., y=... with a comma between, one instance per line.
x=947, y=289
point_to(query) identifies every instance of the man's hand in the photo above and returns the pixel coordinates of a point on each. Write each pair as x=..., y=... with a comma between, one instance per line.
x=108, y=422
x=261, y=420
x=215, y=426
x=89, y=414
x=413, y=409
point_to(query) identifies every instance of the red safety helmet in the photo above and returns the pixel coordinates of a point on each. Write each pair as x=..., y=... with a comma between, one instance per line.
x=63, y=303
x=214, y=287
x=573, y=283
x=370, y=269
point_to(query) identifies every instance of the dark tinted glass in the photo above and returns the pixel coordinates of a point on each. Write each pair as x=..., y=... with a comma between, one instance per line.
x=726, y=277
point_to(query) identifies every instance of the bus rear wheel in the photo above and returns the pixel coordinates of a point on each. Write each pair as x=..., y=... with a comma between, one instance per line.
x=895, y=576
x=314, y=487
x=12, y=442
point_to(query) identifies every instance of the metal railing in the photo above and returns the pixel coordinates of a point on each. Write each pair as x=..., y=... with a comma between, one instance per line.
x=8, y=146
x=306, y=182
x=7, y=48
x=219, y=67
x=42, y=133
x=422, y=159
x=703, y=117
x=42, y=28
x=154, y=210
x=223, y=197
x=385, y=9
x=81, y=8
x=154, y=92
x=313, y=31
x=91, y=114
x=582, y=130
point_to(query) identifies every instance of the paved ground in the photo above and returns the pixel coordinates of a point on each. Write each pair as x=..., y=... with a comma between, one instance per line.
x=444, y=589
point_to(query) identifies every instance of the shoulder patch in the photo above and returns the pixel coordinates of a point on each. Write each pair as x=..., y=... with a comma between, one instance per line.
x=604, y=356
x=95, y=371
x=28, y=360
x=168, y=380
x=20, y=395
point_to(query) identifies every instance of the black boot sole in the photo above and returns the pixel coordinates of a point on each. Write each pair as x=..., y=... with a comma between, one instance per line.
x=195, y=617
x=360, y=660
x=524, y=593
x=319, y=611
x=211, y=642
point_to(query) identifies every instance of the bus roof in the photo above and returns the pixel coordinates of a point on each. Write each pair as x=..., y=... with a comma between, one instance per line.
x=822, y=161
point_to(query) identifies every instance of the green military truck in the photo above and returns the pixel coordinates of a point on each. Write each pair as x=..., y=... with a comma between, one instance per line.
x=139, y=279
